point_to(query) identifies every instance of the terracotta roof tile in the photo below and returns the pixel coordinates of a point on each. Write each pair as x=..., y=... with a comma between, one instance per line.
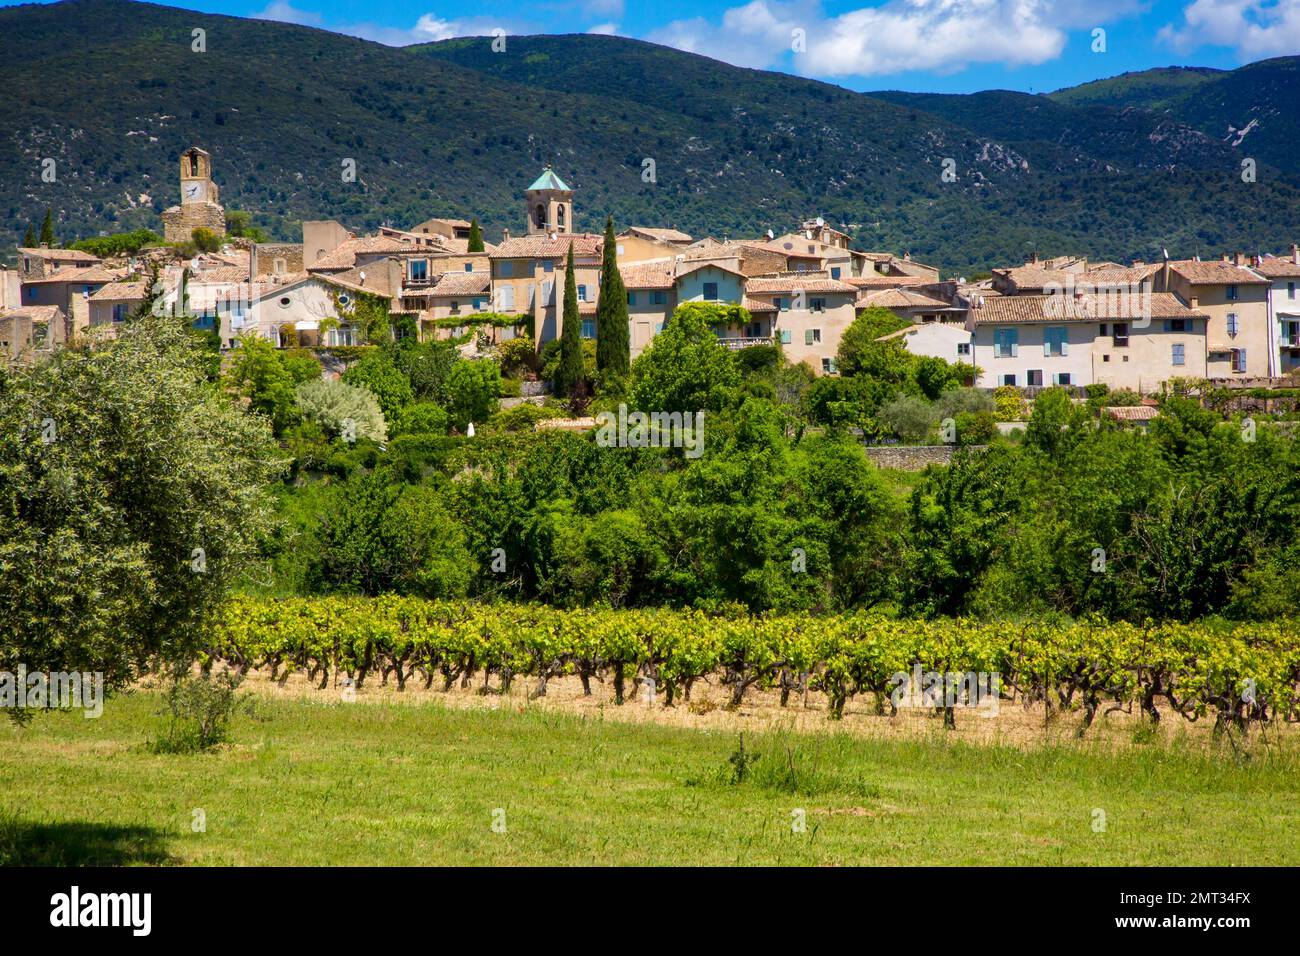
x=1216, y=272
x=791, y=282
x=462, y=283
x=1010, y=309
x=544, y=247
x=119, y=291
x=648, y=275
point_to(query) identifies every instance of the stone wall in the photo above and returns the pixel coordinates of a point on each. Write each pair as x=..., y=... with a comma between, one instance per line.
x=179, y=222
x=912, y=457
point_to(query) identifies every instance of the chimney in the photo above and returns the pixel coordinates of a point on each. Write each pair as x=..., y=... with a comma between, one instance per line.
x=1295, y=254
x=1237, y=258
x=505, y=235
x=1033, y=259
x=1225, y=258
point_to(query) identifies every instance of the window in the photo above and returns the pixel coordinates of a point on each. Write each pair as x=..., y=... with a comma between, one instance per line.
x=548, y=265
x=1290, y=290
x=835, y=272
x=539, y=215
x=710, y=292
x=1056, y=340
x=1178, y=357
x=1291, y=333
x=818, y=305
x=785, y=336
x=588, y=328
x=455, y=307
x=419, y=270
x=559, y=217
x=658, y=298
x=469, y=267
x=582, y=292
x=782, y=304
x=1034, y=377
x=285, y=302
x=344, y=298
x=1175, y=325
x=119, y=312
x=828, y=366
x=1239, y=360
x=754, y=330
x=1104, y=329
x=1234, y=325
x=1061, y=378
x=631, y=298
x=1009, y=379
x=1006, y=342
x=1232, y=293
x=506, y=296
x=478, y=305
x=1120, y=338
x=963, y=348
x=506, y=269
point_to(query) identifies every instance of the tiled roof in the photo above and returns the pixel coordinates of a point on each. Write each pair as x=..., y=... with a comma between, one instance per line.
x=1132, y=413
x=60, y=255
x=1010, y=309
x=37, y=313
x=345, y=256
x=1277, y=267
x=90, y=275
x=818, y=282
x=757, y=305
x=1034, y=277
x=376, y=281
x=1216, y=272
x=129, y=291
x=221, y=274
x=462, y=283
x=794, y=253
x=1117, y=275
x=663, y=235
x=688, y=267
x=885, y=282
x=648, y=275
x=544, y=247
x=903, y=299
x=548, y=180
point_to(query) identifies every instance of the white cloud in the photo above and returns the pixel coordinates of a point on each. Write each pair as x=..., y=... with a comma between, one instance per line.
x=604, y=29
x=897, y=35
x=1253, y=28
x=284, y=12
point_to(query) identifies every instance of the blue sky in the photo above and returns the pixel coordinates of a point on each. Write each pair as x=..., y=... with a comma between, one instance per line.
x=932, y=45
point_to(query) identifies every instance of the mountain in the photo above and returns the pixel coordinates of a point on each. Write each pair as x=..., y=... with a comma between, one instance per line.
x=112, y=91
x=1253, y=108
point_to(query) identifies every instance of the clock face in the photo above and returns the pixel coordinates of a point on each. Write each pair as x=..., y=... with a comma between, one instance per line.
x=192, y=192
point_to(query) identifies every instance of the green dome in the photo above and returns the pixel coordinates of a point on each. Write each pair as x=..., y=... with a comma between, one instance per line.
x=548, y=180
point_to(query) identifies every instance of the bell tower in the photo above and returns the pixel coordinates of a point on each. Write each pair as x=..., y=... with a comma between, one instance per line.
x=199, y=199
x=550, y=205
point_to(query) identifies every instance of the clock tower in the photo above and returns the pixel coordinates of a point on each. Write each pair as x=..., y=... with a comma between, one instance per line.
x=199, y=207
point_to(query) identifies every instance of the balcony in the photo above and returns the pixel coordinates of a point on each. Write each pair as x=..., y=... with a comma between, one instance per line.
x=745, y=341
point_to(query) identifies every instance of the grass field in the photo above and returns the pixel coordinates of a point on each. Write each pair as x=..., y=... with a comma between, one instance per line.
x=316, y=783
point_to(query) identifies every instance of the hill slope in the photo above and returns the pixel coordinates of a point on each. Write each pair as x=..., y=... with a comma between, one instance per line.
x=455, y=129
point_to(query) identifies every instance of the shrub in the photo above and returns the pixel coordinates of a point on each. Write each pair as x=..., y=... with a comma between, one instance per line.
x=377, y=373
x=474, y=387
x=909, y=417
x=422, y=418
x=199, y=711
x=1008, y=403
x=957, y=400
x=976, y=428
x=331, y=404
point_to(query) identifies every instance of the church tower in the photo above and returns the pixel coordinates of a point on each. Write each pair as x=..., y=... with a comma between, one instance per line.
x=199, y=199
x=550, y=205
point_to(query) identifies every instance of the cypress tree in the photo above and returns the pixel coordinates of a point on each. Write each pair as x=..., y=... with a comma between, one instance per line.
x=475, y=237
x=47, y=228
x=613, y=350
x=572, y=369
x=29, y=237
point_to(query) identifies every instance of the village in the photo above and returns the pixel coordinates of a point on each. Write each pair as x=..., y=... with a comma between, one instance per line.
x=1062, y=321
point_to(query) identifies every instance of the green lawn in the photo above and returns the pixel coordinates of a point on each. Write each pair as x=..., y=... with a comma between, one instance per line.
x=372, y=783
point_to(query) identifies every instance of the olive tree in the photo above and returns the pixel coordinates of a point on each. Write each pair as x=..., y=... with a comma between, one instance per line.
x=132, y=496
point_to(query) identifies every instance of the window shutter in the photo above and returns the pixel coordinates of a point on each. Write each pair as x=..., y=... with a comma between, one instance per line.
x=1242, y=356
x=808, y=337
x=785, y=336
x=1065, y=344
x=1047, y=343
x=1015, y=348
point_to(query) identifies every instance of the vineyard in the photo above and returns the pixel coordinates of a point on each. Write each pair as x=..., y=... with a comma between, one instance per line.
x=1236, y=675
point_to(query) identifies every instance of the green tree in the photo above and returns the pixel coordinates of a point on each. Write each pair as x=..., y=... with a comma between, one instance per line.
x=332, y=405
x=132, y=497
x=613, y=348
x=258, y=373
x=686, y=368
x=205, y=240
x=1050, y=420
x=29, y=238
x=474, y=387
x=475, y=237
x=377, y=373
x=569, y=377
x=378, y=536
x=47, y=228
x=861, y=351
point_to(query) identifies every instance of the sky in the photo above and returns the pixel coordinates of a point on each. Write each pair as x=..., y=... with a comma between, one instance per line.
x=954, y=46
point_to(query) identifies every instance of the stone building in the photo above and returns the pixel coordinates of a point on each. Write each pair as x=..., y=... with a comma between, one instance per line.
x=199, y=206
